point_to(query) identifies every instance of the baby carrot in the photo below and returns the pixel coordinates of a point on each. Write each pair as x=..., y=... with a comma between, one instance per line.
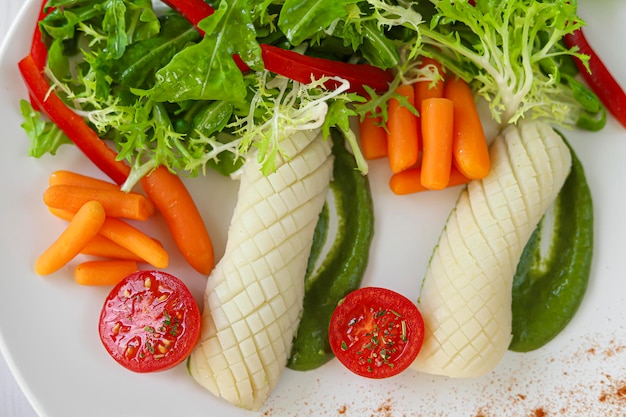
x=116, y=203
x=469, y=145
x=172, y=199
x=63, y=177
x=105, y=248
x=373, y=137
x=128, y=237
x=429, y=89
x=62, y=214
x=103, y=272
x=83, y=226
x=437, y=122
x=403, y=133
x=135, y=241
x=408, y=181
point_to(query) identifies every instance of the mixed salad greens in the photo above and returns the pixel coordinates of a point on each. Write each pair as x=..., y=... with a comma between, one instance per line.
x=143, y=87
x=145, y=78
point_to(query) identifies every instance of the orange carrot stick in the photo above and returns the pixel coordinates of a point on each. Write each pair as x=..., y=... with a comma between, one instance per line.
x=128, y=237
x=62, y=177
x=105, y=248
x=428, y=89
x=62, y=214
x=408, y=181
x=172, y=199
x=373, y=137
x=103, y=272
x=469, y=145
x=403, y=133
x=88, y=220
x=116, y=203
x=135, y=241
x=437, y=121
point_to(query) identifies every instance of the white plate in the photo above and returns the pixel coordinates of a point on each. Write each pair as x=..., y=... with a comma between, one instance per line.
x=48, y=330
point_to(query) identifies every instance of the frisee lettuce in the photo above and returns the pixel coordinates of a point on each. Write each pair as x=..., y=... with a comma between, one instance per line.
x=502, y=48
x=287, y=106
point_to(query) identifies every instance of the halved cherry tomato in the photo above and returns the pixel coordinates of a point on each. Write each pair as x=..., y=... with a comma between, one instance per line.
x=376, y=332
x=150, y=322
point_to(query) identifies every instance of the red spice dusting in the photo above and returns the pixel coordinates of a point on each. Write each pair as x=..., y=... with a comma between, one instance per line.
x=516, y=395
x=611, y=389
x=614, y=394
x=385, y=409
x=613, y=349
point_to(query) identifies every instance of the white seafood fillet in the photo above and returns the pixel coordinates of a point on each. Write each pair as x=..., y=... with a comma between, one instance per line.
x=254, y=296
x=466, y=292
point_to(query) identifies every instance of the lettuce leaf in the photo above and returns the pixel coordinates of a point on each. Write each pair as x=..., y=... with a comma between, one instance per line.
x=207, y=70
x=45, y=137
x=302, y=19
x=135, y=68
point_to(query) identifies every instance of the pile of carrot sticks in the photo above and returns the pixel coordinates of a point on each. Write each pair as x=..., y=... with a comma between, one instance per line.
x=434, y=142
x=97, y=212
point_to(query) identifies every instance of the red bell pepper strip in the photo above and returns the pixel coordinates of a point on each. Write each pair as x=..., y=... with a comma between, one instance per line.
x=301, y=68
x=599, y=78
x=38, y=49
x=293, y=65
x=193, y=10
x=85, y=138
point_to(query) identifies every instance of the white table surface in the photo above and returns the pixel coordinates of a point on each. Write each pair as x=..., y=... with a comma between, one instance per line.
x=13, y=403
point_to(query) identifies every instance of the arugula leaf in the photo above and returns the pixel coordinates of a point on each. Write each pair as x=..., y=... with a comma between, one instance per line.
x=61, y=23
x=377, y=48
x=57, y=61
x=209, y=122
x=114, y=23
x=137, y=65
x=144, y=23
x=45, y=137
x=207, y=70
x=300, y=20
x=117, y=22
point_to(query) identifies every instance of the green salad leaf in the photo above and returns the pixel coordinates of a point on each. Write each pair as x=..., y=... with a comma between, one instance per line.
x=45, y=137
x=207, y=70
x=302, y=19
